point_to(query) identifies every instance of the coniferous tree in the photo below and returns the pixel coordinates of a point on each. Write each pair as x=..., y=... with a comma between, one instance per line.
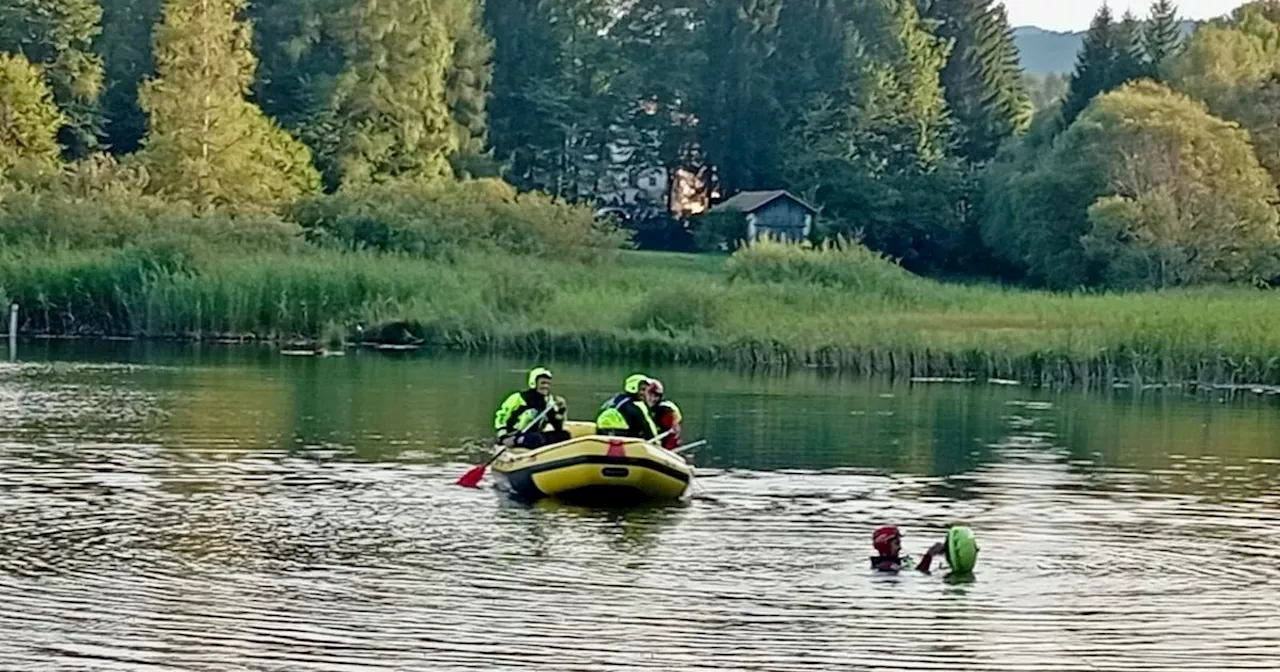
x=1161, y=37
x=207, y=144
x=1094, y=65
x=1130, y=61
x=390, y=112
x=872, y=149
x=29, y=119
x=740, y=131
x=467, y=87
x=982, y=79
x=58, y=36
x=364, y=83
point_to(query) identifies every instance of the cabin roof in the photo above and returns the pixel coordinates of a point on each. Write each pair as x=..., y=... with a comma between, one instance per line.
x=750, y=201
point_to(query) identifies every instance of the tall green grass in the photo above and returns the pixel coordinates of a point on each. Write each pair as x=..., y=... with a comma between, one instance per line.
x=777, y=305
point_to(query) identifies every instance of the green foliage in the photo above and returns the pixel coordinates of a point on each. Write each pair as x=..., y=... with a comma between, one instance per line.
x=1207, y=335
x=1095, y=65
x=674, y=311
x=840, y=264
x=982, y=79
x=470, y=77
x=1146, y=189
x=1130, y=59
x=372, y=87
x=391, y=116
x=442, y=218
x=100, y=203
x=207, y=144
x=58, y=35
x=872, y=151
x=126, y=49
x=555, y=93
x=1266, y=10
x=740, y=100
x=29, y=119
x=1235, y=69
x=720, y=231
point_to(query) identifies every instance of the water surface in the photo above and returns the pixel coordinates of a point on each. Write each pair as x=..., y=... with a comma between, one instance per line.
x=178, y=508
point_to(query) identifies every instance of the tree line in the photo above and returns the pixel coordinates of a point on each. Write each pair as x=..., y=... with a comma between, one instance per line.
x=909, y=122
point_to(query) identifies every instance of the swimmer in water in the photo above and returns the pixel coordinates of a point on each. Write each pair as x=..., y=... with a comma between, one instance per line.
x=888, y=544
x=960, y=549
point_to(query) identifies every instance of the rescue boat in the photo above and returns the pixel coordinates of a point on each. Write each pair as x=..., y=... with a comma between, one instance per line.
x=594, y=469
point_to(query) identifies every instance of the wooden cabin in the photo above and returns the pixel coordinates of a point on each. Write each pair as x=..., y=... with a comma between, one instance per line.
x=776, y=214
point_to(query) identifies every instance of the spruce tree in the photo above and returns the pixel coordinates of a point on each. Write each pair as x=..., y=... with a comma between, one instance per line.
x=467, y=87
x=1161, y=37
x=1130, y=61
x=58, y=36
x=207, y=145
x=1094, y=65
x=29, y=119
x=983, y=78
x=872, y=149
x=391, y=113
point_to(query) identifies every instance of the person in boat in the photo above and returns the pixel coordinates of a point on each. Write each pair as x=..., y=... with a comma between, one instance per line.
x=512, y=420
x=630, y=413
x=960, y=548
x=630, y=388
x=667, y=417
x=887, y=541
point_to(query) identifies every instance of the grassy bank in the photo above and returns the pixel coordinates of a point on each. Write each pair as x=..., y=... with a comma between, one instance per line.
x=772, y=305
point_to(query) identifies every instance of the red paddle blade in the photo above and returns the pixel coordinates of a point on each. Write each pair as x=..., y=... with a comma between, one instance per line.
x=471, y=479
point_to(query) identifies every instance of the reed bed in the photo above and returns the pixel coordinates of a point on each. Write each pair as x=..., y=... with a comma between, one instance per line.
x=772, y=305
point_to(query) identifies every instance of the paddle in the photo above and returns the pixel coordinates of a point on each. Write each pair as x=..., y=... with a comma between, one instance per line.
x=658, y=439
x=690, y=446
x=472, y=478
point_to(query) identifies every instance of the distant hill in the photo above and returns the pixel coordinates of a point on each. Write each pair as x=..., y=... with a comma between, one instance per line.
x=1044, y=51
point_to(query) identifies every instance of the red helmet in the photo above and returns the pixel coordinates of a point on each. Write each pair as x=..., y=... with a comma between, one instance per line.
x=883, y=537
x=656, y=386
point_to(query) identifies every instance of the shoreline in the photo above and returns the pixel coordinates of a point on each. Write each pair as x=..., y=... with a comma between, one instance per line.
x=768, y=306
x=1036, y=371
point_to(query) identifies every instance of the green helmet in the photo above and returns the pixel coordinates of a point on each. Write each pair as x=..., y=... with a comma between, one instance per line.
x=962, y=550
x=633, y=382
x=535, y=374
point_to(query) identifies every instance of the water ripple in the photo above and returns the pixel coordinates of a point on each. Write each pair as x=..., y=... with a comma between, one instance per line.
x=128, y=545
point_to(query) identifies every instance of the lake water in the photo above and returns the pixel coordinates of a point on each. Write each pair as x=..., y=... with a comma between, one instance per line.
x=227, y=508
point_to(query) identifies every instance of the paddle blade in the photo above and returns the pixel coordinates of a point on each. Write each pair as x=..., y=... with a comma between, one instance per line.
x=471, y=479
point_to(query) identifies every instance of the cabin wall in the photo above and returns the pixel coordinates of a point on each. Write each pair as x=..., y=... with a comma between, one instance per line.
x=783, y=218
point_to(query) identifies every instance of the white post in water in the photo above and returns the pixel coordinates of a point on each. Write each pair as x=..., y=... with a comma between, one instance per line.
x=13, y=331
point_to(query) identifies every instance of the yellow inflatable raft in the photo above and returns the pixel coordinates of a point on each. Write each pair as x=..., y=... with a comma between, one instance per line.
x=594, y=469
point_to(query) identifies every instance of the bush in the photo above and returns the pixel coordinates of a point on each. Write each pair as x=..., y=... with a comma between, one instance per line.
x=720, y=231
x=841, y=263
x=672, y=310
x=99, y=203
x=441, y=218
